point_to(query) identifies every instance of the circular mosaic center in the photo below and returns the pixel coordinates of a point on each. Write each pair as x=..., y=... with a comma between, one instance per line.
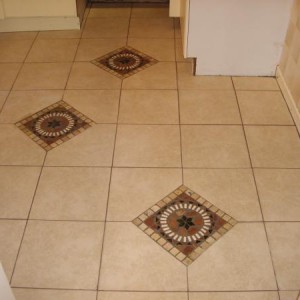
x=124, y=61
x=185, y=222
x=54, y=124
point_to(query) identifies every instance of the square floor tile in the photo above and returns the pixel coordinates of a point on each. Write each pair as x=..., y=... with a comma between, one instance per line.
x=231, y=190
x=289, y=295
x=54, y=125
x=187, y=81
x=93, y=148
x=144, y=258
x=149, y=107
x=148, y=146
x=100, y=105
x=17, y=185
x=208, y=107
x=110, y=10
x=284, y=239
x=264, y=107
x=8, y=76
x=63, y=255
x=184, y=224
x=213, y=146
x=273, y=146
x=43, y=76
x=142, y=10
x=17, y=149
x=71, y=194
x=234, y=296
x=85, y=76
x=255, y=83
x=134, y=190
x=60, y=34
x=14, y=50
x=240, y=253
x=11, y=232
x=53, y=50
x=142, y=296
x=21, y=104
x=160, y=76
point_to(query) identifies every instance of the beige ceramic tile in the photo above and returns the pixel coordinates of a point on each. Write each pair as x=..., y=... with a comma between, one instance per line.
x=133, y=191
x=106, y=28
x=208, y=107
x=159, y=76
x=64, y=255
x=255, y=83
x=53, y=50
x=279, y=192
x=85, y=75
x=187, y=81
x=179, y=51
x=213, y=146
x=14, y=50
x=126, y=248
x=93, y=147
x=71, y=194
x=9, y=72
x=288, y=295
x=232, y=262
x=273, y=146
x=284, y=239
x=147, y=146
x=17, y=185
x=149, y=107
x=100, y=11
x=22, y=104
x=149, y=12
x=22, y=35
x=18, y=149
x=90, y=49
x=3, y=96
x=99, y=105
x=160, y=49
x=43, y=76
x=142, y=296
x=11, y=232
x=59, y=34
x=234, y=296
x=151, y=28
x=232, y=191
x=43, y=294
x=177, y=28
x=264, y=107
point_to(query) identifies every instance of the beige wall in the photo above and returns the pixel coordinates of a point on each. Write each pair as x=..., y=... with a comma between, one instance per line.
x=290, y=60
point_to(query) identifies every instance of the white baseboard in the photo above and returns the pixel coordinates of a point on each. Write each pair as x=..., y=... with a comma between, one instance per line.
x=288, y=97
x=39, y=23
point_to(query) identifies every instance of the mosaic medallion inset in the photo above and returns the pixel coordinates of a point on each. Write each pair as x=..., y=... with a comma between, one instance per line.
x=124, y=62
x=184, y=224
x=54, y=125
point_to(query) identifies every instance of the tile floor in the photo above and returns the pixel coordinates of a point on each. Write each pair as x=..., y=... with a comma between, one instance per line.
x=67, y=204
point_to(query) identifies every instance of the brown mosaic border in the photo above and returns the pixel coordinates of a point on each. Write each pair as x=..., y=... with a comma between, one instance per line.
x=185, y=259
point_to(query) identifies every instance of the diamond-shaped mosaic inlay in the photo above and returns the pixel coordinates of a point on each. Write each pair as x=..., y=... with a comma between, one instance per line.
x=124, y=62
x=184, y=224
x=54, y=125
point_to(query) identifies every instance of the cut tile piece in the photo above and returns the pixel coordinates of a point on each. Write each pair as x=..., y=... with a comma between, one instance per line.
x=149, y=11
x=234, y=296
x=273, y=146
x=255, y=83
x=22, y=35
x=14, y=50
x=289, y=295
x=148, y=146
x=9, y=72
x=264, y=107
x=184, y=224
x=149, y=107
x=11, y=232
x=54, y=125
x=101, y=10
x=3, y=96
x=212, y=146
x=240, y=253
x=124, y=62
x=127, y=248
x=179, y=52
x=134, y=190
x=71, y=194
x=62, y=255
x=60, y=34
x=208, y=107
x=284, y=239
x=17, y=185
x=141, y=296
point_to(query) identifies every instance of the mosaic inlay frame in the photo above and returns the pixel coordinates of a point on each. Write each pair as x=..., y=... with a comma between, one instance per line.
x=124, y=62
x=184, y=224
x=54, y=125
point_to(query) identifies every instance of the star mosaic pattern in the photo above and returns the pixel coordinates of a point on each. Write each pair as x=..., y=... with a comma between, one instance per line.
x=54, y=125
x=184, y=224
x=124, y=62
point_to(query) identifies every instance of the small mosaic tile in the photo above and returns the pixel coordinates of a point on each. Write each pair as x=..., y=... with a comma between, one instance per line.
x=124, y=62
x=54, y=125
x=185, y=224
